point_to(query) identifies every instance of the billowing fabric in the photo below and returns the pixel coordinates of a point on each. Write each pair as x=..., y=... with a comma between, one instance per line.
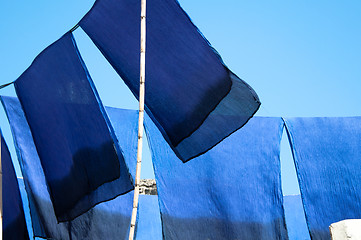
x=327, y=156
x=193, y=98
x=108, y=220
x=13, y=219
x=231, y=192
x=295, y=218
x=71, y=132
x=149, y=226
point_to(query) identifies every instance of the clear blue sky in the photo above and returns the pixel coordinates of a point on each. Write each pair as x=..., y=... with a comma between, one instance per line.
x=303, y=58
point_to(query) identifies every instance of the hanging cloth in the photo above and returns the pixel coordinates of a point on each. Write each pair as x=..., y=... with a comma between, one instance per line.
x=149, y=226
x=295, y=218
x=193, y=98
x=71, y=131
x=327, y=154
x=231, y=192
x=13, y=219
x=108, y=220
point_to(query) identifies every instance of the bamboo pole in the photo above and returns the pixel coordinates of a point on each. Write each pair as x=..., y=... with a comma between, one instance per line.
x=141, y=118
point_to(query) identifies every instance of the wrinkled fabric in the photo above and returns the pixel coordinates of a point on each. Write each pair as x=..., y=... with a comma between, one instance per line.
x=231, y=192
x=327, y=153
x=192, y=97
x=71, y=131
x=295, y=218
x=13, y=218
x=108, y=220
x=149, y=226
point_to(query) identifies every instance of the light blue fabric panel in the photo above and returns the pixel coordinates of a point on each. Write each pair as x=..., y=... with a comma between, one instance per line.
x=24, y=197
x=327, y=155
x=108, y=220
x=295, y=218
x=231, y=192
x=149, y=226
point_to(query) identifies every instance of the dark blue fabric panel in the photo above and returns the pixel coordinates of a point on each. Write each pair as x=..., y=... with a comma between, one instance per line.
x=231, y=192
x=186, y=80
x=295, y=218
x=108, y=220
x=13, y=218
x=70, y=130
x=327, y=156
x=149, y=226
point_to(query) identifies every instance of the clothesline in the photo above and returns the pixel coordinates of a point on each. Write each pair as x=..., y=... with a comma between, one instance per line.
x=8, y=84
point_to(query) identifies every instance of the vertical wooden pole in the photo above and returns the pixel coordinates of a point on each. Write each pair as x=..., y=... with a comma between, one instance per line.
x=141, y=118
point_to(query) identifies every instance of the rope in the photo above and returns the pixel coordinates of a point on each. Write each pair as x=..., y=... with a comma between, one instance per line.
x=74, y=28
x=6, y=84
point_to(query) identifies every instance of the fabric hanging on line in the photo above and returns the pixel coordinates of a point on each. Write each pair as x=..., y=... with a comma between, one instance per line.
x=149, y=226
x=13, y=218
x=327, y=156
x=295, y=218
x=193, y=98
x=24, y=198
x=231, y=192
x=71, y=131
x=108, y=220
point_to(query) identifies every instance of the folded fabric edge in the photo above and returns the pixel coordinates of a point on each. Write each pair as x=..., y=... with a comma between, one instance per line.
x=294, y=156
x=239, y=89
x=19, y=156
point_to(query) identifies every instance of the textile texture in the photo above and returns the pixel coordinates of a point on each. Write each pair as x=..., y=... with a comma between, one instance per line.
x=13, y=218
x=108, y=220
x=295, y=218
x=24, y=198
x=71, y=131
x=149, y=226
x=193, y=98
x=231, y=192
x=327, y=156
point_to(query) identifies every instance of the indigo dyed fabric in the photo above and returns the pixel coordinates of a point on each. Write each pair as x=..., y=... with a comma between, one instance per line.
x=71, y=132
x=327, y=155
x=108, y=220
x=13, y=219
x=24, y=198
x=193, y=98
x=295, y=218
x=231, y=192
x=149, y=226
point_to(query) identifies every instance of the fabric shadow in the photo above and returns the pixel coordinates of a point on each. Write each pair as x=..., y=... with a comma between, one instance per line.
x=108, y=220
x=71, y=131
x=13, y=218
x=231, y=192
x=193, y=98
x=327, y=153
